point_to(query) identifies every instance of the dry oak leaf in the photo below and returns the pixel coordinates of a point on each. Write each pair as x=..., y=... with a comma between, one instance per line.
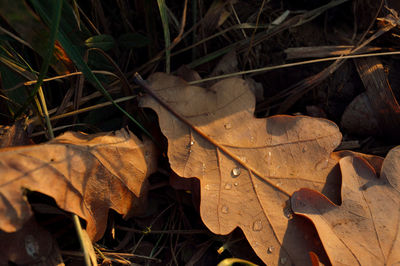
x=365, y=228
x=85, y=174
x=247, y=167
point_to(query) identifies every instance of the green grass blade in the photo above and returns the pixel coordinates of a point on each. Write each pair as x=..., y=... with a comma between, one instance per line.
x=76, y=57
x=46, y=59
x=164, y=19
x=30, y=30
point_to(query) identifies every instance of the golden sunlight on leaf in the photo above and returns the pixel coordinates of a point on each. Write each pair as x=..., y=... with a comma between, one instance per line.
x=247, y=167
x=85, y=174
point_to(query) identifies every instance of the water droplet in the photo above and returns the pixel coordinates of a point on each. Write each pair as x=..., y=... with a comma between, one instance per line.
x=288, y=213
x=270, y=249
x=236, y=184
x=269, y=153
x=31, y=246
x=207, y=187
x=283, y=260
x=251, y=139
x=225, y=209
x=321, y=165
x=228, y=126
x=235, y=172
x=257, y=225
x=278, y=184
x=192, y=143
x=228, y=186
x=243, y=159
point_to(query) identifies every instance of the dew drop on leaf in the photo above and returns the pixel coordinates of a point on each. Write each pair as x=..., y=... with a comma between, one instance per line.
x=31, y=246
x=257, y=225
x=321, y=165
x=203, y=167
x=225, y=209
x=270, y=249
x=288, y=213
x=236, y=184
x=228, y=126
x=243, y=158
x=192, y=143
x=235, y=172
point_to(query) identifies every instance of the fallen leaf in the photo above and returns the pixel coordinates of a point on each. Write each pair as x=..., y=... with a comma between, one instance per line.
x=31, y=245
x=247, y=167
x=215, y=16
x=85, y=174
x=374, y=160
x=227, y=64
x=187, y=73
x=376, y=111
x=15, y=135
x=364, y=229
x=359, y=117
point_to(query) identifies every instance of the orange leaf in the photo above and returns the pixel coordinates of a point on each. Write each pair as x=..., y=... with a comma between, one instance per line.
x=364, y=229
x=247, y=167
x=85, y=174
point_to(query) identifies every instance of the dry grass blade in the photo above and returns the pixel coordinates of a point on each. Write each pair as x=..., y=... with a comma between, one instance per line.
x=325, y=51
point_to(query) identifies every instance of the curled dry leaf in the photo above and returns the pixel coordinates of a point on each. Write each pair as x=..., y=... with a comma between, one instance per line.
x=85, y=174
x=364, y=229
x=247, y=167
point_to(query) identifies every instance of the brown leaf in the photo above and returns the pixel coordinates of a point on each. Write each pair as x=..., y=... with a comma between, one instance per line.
x=359, y=117
x=215, y=15
x=374, y=160
x=31, y=245
x=376, y=111
x=247, y=167
x=15, y=135
x=85, y=174
x=364, y=230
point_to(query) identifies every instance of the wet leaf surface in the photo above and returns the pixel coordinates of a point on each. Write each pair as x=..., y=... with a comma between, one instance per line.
x=247, y=167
